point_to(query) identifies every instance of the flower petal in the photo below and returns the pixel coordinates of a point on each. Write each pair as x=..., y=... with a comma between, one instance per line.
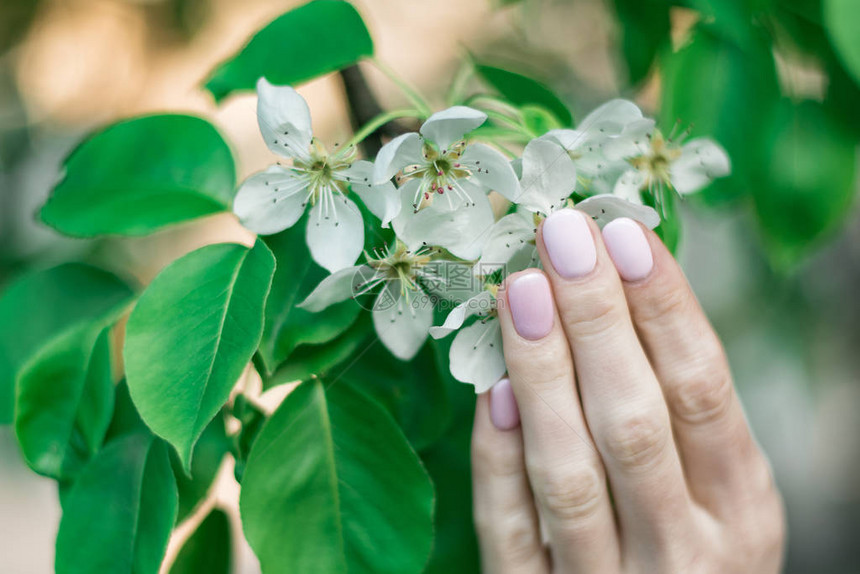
x=449, y=126
x=449, y=280
x=480, y=305
x=476, y=355
x=270, y=201
x=633, y=141
x=382, y=200
x=337, y=287
x=701, y=161
x=549, y=176
x=629, y=184
x=610, y=118
x=335, y=232
x=491, y=169
x=604, y=208
x=404, y=150
x=402, y=325
x=284, y=118
x=508, y=236
x=460, y=230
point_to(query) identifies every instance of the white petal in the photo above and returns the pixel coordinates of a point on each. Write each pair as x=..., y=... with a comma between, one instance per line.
x=382, y=200
x=270, y=201
x=508, y=236
x=449, y=126
x=629, y=184
x=450, y=281
x=610, y=118
x=284, y=118
x=461, y=230
x=633, y=141
x=568, y=139
x=491, y=169
x=406, y=149
x=476, y=355
x=402, y=325
x=337, y=287
x=604, y=208
x=549, y=176
x=701, y=161
x=335, y=233
x=480, y=305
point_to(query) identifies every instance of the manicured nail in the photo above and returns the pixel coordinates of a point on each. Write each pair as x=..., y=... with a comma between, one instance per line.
x=629, y=249
x=503, y=406
x=531, y=305
x=569, y=243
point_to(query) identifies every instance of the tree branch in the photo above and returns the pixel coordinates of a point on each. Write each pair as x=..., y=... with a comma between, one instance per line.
x=363, y=107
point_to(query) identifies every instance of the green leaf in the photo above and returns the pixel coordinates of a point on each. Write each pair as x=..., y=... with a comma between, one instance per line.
x=806, y=181
x=353, y=497
x=118, y=516
x=724, y=92
x=252, y=419
x=316, y=360
x=448, y=461
x=65, y=402
x=732, y=19
x=314, y=39
x=645, y=31
x=414, y=392
x=126, y=419
x=521, y=90
x=208, y=550
x=43, y=305
x=842, y=21
x=190, y=336
x=140, y=175
x=295, y=277
x=208, y=455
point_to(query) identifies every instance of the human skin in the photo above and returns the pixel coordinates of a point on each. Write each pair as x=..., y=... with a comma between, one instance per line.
x=618, y=443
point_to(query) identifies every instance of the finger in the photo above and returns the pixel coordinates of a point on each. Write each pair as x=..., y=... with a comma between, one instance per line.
x=505, y=515
x=562, y=463
x=621, y=397
x=721, y=459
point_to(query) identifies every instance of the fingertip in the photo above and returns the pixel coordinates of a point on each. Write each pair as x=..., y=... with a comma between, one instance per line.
x=629, y=249
x=504, y=413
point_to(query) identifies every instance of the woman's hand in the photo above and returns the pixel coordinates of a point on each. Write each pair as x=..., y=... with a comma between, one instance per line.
x=619, y=433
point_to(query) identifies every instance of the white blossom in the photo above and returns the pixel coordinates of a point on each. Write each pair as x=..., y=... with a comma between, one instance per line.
x=274, y=200
x=445, y=182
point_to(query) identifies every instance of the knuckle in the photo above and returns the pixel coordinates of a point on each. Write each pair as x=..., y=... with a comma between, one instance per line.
x=571, y=494
x=636, y=441
x=519, y=540
x=668, y=301
x=705, y=394
x=540, y=366
x=592, y=316
x=489, y=460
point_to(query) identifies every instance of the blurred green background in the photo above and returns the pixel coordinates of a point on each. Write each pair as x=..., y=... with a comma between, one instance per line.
x=773, y=252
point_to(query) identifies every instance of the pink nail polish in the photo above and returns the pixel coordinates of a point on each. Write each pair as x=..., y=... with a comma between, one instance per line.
x=629, y=249
x=569, y=243
x=504, y=412
x=531, y=305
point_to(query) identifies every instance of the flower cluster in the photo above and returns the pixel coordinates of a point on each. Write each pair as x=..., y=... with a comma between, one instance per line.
x=450, y=248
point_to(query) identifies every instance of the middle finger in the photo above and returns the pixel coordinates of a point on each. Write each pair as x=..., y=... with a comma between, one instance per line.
x=621, y=397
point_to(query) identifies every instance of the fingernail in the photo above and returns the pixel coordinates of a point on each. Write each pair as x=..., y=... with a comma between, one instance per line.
x=531, y=305
x=503, y=406
x=629, y=249
x=569, y=243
